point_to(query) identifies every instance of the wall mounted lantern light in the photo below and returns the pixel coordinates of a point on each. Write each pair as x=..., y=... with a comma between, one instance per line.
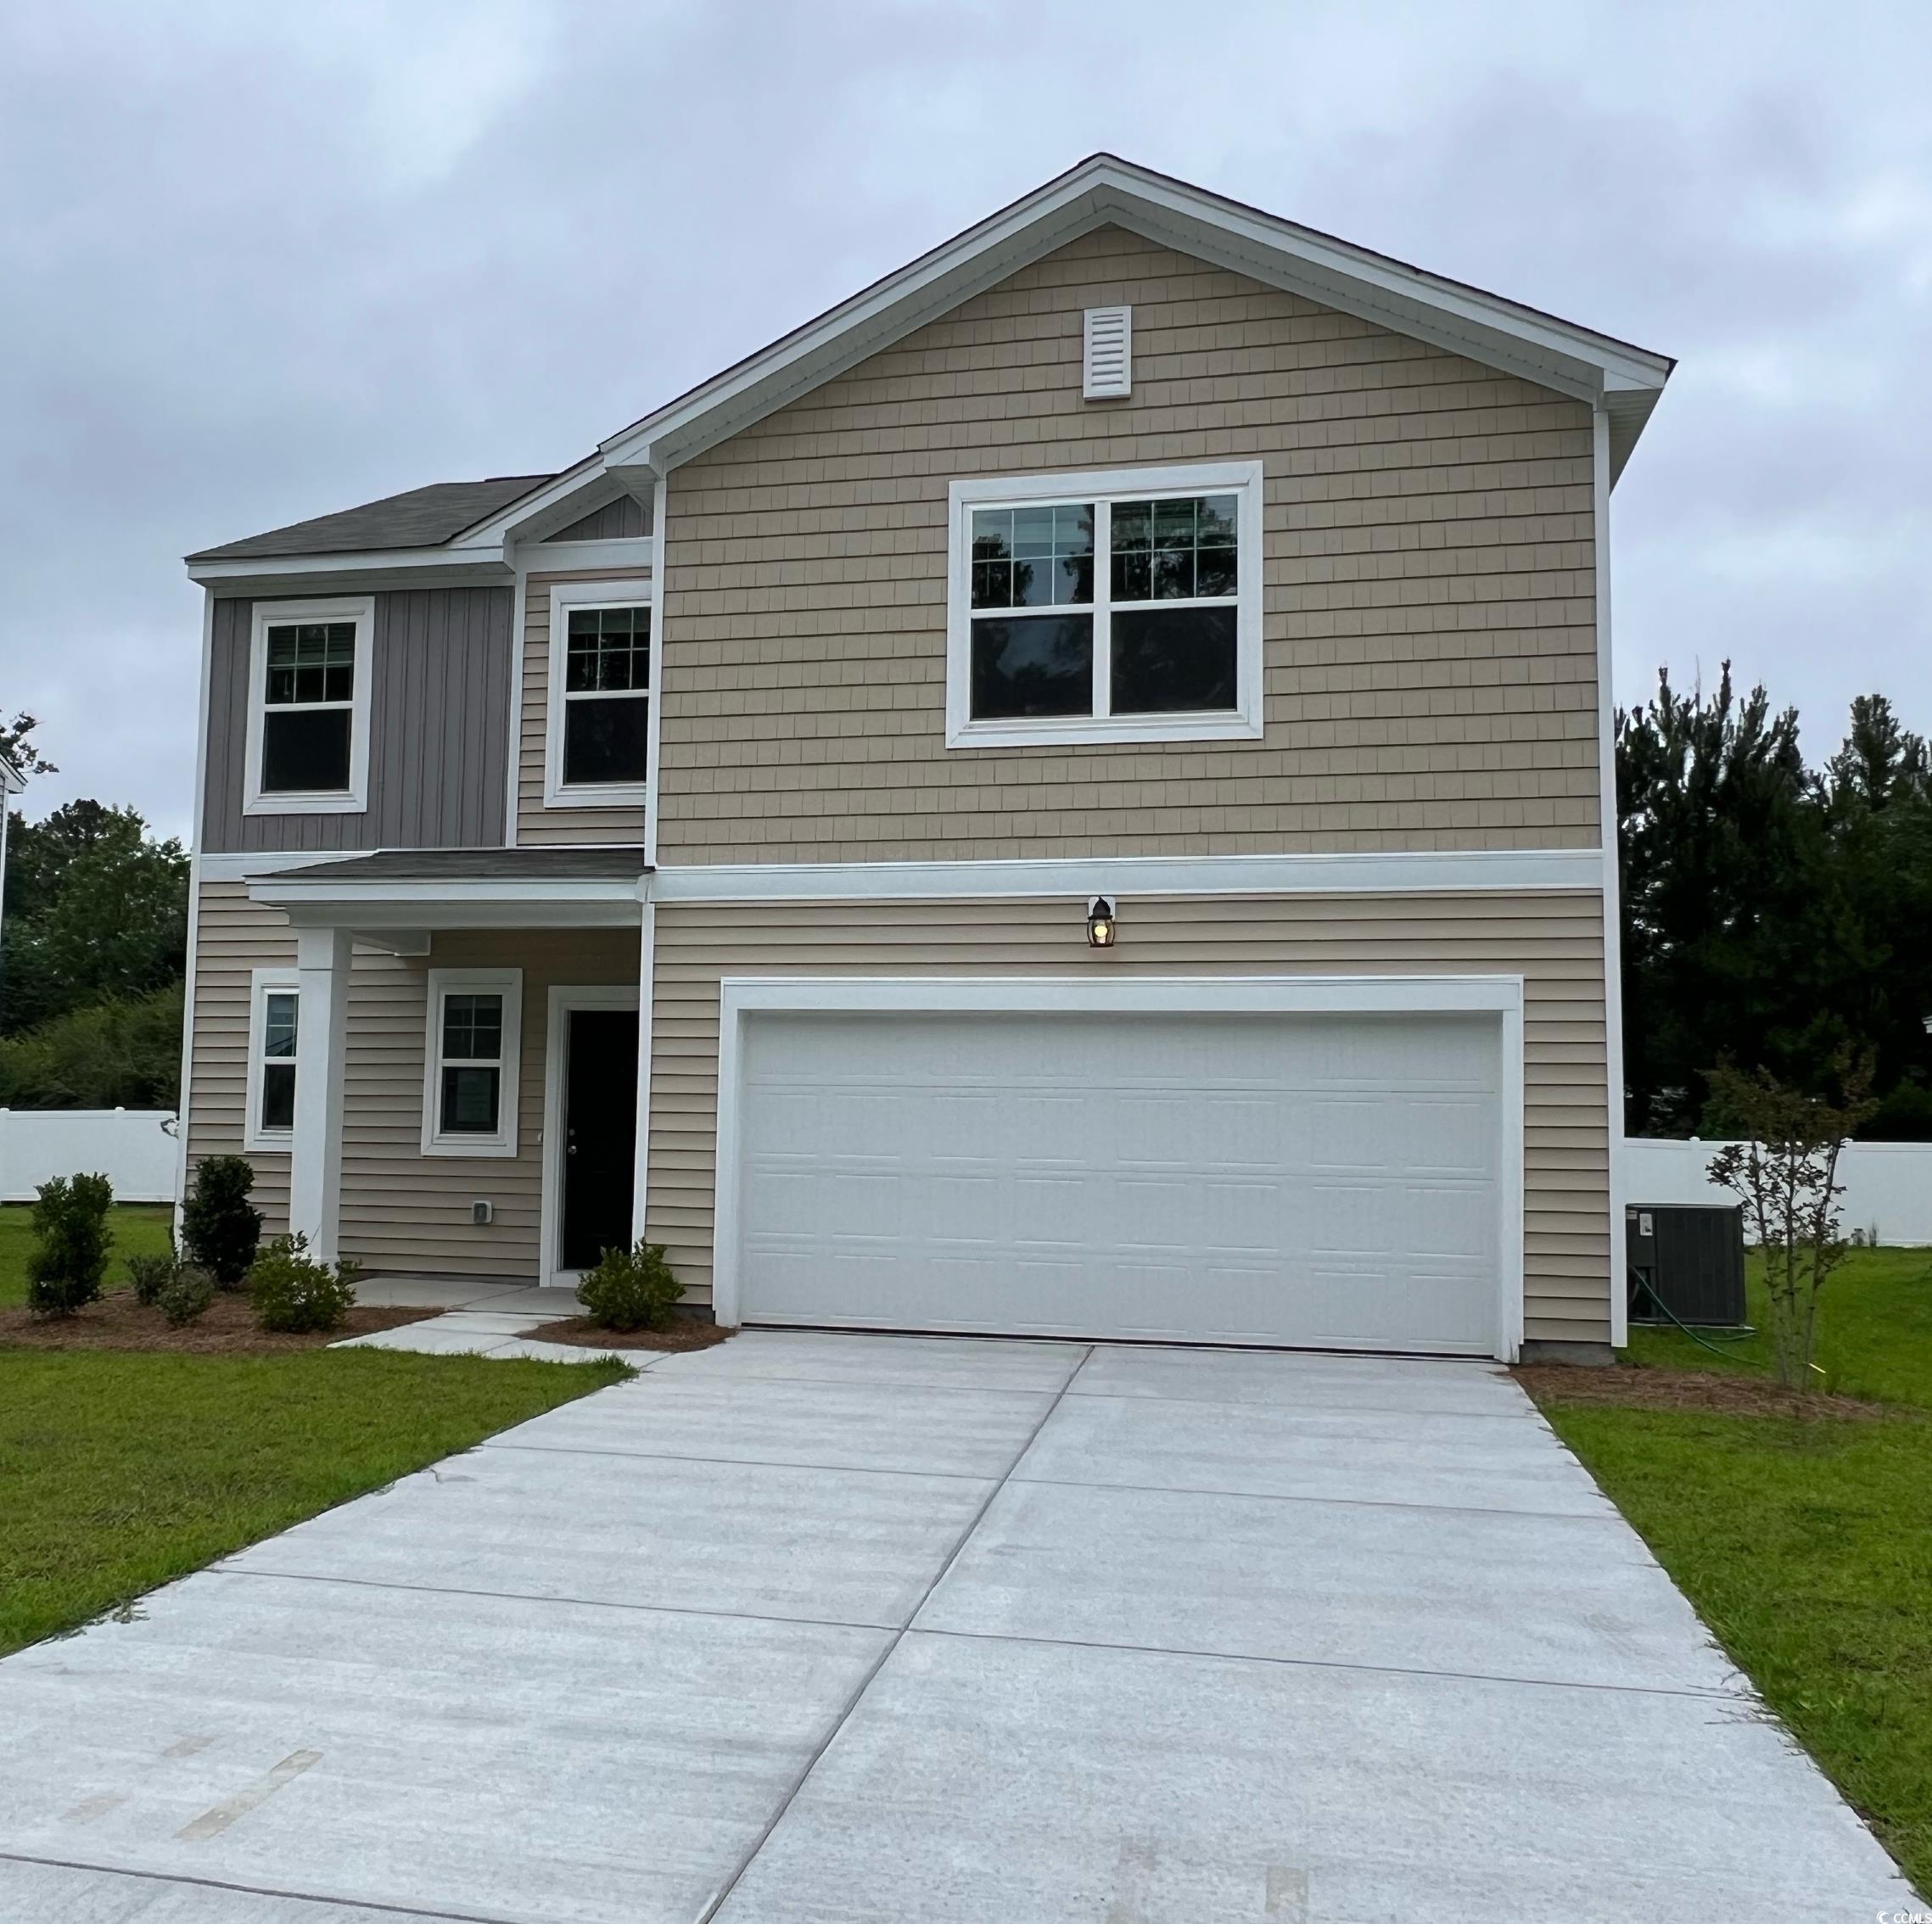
x=1101, y=923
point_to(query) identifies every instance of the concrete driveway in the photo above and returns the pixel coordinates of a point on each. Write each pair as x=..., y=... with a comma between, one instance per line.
x=825, y=1627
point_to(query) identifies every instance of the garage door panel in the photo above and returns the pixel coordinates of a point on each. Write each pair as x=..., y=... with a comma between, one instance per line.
x=1326, y=1180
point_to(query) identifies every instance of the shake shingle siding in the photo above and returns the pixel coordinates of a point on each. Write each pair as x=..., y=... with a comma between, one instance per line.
x=1429, y=623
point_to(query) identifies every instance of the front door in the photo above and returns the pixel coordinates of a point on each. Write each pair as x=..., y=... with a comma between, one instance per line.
x=599, y=1132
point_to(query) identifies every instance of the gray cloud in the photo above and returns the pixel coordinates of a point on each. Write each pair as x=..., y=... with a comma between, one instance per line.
x=261, y=263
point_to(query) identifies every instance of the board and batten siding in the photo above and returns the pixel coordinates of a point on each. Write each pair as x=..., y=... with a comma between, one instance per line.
x=1554, y=942
x=1430, y=672
x=401, y=1209
x=438, y=729
x=538, y=827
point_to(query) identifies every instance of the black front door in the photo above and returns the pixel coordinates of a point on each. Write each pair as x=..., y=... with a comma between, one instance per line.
x=600, y=1132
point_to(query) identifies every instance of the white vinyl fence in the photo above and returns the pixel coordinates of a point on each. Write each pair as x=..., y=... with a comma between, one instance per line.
x=1887, y=1186
x=133, y=1148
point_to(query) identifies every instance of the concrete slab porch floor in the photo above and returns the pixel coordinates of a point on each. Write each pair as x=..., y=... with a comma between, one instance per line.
x=825, y=1627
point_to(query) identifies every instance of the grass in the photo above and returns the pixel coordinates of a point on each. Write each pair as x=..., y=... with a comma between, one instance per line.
x=120, y=1471
x=1807, y=1545
x=137, y=1226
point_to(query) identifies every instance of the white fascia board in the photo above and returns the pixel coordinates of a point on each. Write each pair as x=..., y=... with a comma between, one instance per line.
x=291, y=891
x=279, y=568
x=1514, y=870
x=1483, y=326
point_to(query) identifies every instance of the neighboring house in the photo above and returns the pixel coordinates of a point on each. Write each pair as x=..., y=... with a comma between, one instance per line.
x=702, y=840
x=11, y=782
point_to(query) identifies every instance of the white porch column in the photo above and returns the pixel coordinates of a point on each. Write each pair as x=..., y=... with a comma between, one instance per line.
x=322, y=1037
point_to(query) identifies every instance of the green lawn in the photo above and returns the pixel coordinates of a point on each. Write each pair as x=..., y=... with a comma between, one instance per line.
x=1807, y=1545
x=120, y=1470
x=137, y=1226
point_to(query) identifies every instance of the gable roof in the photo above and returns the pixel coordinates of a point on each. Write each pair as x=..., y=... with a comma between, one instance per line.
x=1104, y=190
x=420, y=518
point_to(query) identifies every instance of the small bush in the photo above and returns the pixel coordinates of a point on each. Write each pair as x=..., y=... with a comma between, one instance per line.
x=291, y=1291
x=630, y=1289
x=150, y=1274
x=185, y=1295
x=220, y=1229
x=71, y=1241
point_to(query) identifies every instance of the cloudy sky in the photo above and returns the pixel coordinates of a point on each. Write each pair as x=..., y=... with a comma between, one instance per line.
x=258, y=262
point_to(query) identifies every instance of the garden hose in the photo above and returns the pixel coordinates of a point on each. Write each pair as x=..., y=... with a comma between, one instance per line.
x=1714, y=1346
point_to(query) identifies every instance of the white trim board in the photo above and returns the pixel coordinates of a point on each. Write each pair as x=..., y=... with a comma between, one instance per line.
x=741, y=998
x=563, y=997
x=1517, y=871
x=1607, y=835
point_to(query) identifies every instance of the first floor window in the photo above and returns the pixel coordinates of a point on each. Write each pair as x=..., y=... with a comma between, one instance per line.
x=274, y=1025
x=470, y=1090
x=1122, y=606
x=604, y=696
x=308, y=736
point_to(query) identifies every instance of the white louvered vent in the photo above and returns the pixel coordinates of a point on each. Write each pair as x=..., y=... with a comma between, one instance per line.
x=1107, y=371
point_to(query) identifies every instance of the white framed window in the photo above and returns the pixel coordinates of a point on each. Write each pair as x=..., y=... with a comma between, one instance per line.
x=1123, y=606
x=470, y=1056
x=598, y=746
x=275, y=1008
x=308, y=716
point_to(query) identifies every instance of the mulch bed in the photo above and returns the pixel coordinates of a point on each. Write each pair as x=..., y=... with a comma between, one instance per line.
x=1691, y=1391
x=227, y=1329
x=685, y=1334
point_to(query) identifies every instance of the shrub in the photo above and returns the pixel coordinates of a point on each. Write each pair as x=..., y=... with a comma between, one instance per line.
x=630, y=1289
x=150, y=1274
x=71, y=1241
x=220, y=1229
x=291, y=1291
x=185, y=1295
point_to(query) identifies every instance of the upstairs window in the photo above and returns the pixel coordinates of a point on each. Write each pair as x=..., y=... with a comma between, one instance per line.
x=600, y=693
x=1115, y=607
x=469, y=1096
x=308, y=708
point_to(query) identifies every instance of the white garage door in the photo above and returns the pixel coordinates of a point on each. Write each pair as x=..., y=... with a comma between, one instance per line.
x=1328, y=1180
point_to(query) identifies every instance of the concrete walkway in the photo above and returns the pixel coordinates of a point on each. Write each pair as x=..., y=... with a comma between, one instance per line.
x=823, y=1627
x=481, y=1319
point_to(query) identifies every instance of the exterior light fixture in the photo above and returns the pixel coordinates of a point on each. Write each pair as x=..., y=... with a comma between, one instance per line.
x=1101, y=923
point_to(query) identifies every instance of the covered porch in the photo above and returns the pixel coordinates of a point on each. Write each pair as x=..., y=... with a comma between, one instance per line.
x=450, y=1064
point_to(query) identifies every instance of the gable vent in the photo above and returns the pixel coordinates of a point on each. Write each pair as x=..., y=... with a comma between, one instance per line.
x=1107, y=371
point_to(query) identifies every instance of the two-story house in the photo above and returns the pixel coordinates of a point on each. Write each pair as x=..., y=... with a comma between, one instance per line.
x=1071, y=794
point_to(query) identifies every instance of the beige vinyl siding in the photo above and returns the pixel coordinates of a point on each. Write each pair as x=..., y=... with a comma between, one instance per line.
x=537, y=826
x=1430, y=637
x=400, y=1210
x=1554, y=942
x=234, y=939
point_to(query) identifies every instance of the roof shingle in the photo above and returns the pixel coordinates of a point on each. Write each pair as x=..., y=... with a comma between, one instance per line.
x=422, y=518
